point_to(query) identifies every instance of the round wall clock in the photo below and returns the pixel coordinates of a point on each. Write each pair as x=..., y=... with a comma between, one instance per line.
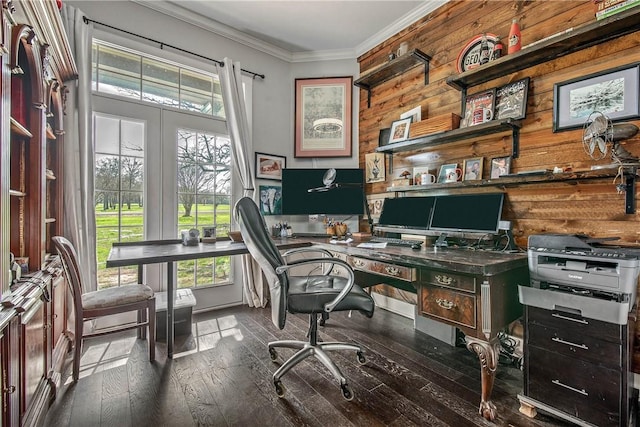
x=469, y=56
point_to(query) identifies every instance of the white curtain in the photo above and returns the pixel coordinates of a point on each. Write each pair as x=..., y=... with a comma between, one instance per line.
x=242, y=147
x=79, y=159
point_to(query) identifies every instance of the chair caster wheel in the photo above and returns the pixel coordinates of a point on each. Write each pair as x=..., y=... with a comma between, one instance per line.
x=280, y=389
x=273, y=354
x=347, y=393
x=361, y=359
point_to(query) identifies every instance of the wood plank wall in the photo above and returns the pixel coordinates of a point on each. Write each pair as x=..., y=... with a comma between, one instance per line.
x=590, y=207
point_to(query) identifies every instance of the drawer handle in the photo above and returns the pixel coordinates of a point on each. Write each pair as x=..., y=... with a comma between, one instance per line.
x=10, y=390
x=446, y=304
x=358, y=263
x=561, y=341
x=444, y=280
x=393, y=271
x=583, y=392
x=559, y=316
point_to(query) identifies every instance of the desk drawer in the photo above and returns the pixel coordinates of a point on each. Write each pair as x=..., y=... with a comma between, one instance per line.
x=407, y=274
x=446, y=304
x=455, y=281
x=575, y=325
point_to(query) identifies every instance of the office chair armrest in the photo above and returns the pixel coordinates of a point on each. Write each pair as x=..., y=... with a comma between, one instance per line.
x=343, y=293
x=296, y=251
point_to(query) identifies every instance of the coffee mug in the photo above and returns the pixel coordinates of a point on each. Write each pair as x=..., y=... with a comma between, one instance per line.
x=427, y=178
x=482, y=115
x=453, y=175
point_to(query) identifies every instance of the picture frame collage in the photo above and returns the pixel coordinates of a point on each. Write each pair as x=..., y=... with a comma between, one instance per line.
x=471, y=170
x=508, y=101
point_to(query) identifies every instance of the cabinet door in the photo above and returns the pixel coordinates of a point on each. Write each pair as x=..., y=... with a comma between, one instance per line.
x=10, y=354
x=33, y=355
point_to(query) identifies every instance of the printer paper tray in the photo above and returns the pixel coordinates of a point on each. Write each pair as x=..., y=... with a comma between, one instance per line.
x=591, y=308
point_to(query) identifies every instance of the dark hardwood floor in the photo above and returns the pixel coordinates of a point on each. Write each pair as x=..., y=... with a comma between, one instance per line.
x=222, y=377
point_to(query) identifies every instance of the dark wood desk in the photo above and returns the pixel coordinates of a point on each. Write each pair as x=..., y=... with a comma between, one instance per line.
x=475, y=291
x=170, y=251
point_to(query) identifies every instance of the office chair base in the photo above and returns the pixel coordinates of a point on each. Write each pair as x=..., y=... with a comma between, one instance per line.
x=318, y=350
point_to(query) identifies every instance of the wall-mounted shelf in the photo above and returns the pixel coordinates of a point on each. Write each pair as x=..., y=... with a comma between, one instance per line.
x=392, y=69
x=457, y=135
x=582, y=37
x=630, y=174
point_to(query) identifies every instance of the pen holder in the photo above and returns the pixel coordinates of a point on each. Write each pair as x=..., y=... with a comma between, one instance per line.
x=331, y=230
x=341, y=230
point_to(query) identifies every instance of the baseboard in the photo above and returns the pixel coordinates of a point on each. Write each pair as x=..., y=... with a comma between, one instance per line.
x=393, y=305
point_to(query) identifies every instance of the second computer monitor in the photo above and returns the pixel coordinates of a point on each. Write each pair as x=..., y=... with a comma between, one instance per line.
x=406, y=213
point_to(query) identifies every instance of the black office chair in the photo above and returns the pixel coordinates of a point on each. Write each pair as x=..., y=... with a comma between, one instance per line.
x=313, y=294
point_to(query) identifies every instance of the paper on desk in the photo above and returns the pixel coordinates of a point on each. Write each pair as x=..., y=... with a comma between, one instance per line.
x=349, y=240
x=373, y=245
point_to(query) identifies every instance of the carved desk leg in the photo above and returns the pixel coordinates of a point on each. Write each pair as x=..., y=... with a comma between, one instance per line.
x=488, y=355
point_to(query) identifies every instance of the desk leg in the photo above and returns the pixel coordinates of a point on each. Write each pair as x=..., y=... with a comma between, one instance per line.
x=170, y=300
x=142, y=332
x=488, y=355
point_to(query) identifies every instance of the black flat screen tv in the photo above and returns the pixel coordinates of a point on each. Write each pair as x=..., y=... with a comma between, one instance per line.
x=474, y=213
x=406, y=212
x=345, y=199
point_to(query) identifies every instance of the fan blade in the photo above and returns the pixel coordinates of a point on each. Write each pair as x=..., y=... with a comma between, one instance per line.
x=592, y=146
x=602, y=145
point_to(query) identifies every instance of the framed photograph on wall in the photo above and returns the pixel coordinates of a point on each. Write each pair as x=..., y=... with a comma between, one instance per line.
x=613, y=93
x=478, y=108
x=374, y=167
x=270, y=199
x=500, y=166
x=399, y=130
x=323, y=117
x=472, y=169
x=511, y=100
x=269, y=166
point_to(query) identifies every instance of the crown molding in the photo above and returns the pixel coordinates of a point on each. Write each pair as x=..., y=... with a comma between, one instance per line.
x=398, y=25
x=175, y=11
x=222, y=30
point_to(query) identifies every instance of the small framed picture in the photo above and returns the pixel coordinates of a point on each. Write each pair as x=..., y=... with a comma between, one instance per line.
x=421, y=172
x=511, y=100
x=478, y=108
x=269, y=166
x=399, y=130
x=500, y=166
x=415, y=114
x=472, y=169
x=374, y=167
x=270, y=199
x=449, y=173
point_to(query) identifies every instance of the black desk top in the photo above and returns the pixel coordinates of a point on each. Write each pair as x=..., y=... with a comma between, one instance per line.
x=461, y=260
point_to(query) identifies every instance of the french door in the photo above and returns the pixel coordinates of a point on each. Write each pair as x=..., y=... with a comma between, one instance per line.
x=187, y=183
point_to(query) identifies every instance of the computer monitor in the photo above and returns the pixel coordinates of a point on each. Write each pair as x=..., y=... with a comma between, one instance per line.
x=404, y=214
x=473, y=213
x=345, y=198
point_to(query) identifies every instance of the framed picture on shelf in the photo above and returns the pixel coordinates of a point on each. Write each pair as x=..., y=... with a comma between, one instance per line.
x=374, y=167
x=415, y=114
x=383, y=137
x=269, y=166
x=399, y=130
x=500, y=166
x=270, y=199
x=472, y=169
x=478, y=108
x=323, y=117
x=449, y=173
x=511, y=100
x=612, y=92
x=421, y=172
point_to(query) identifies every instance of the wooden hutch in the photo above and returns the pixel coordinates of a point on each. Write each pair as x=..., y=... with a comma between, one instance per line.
x=36, y=63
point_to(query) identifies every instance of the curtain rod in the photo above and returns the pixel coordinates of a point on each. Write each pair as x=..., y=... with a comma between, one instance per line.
x=220, y=63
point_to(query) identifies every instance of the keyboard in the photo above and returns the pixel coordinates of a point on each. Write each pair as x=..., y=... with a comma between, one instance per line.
x=395, y=242
x=311, y=234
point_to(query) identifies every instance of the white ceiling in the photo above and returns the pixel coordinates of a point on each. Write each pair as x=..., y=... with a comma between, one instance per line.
x=300, y=30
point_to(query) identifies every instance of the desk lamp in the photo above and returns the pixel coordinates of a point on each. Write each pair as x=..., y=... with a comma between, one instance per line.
x=329, y=179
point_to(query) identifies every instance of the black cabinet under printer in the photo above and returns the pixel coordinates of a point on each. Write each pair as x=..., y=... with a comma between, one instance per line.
x=579, y=327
